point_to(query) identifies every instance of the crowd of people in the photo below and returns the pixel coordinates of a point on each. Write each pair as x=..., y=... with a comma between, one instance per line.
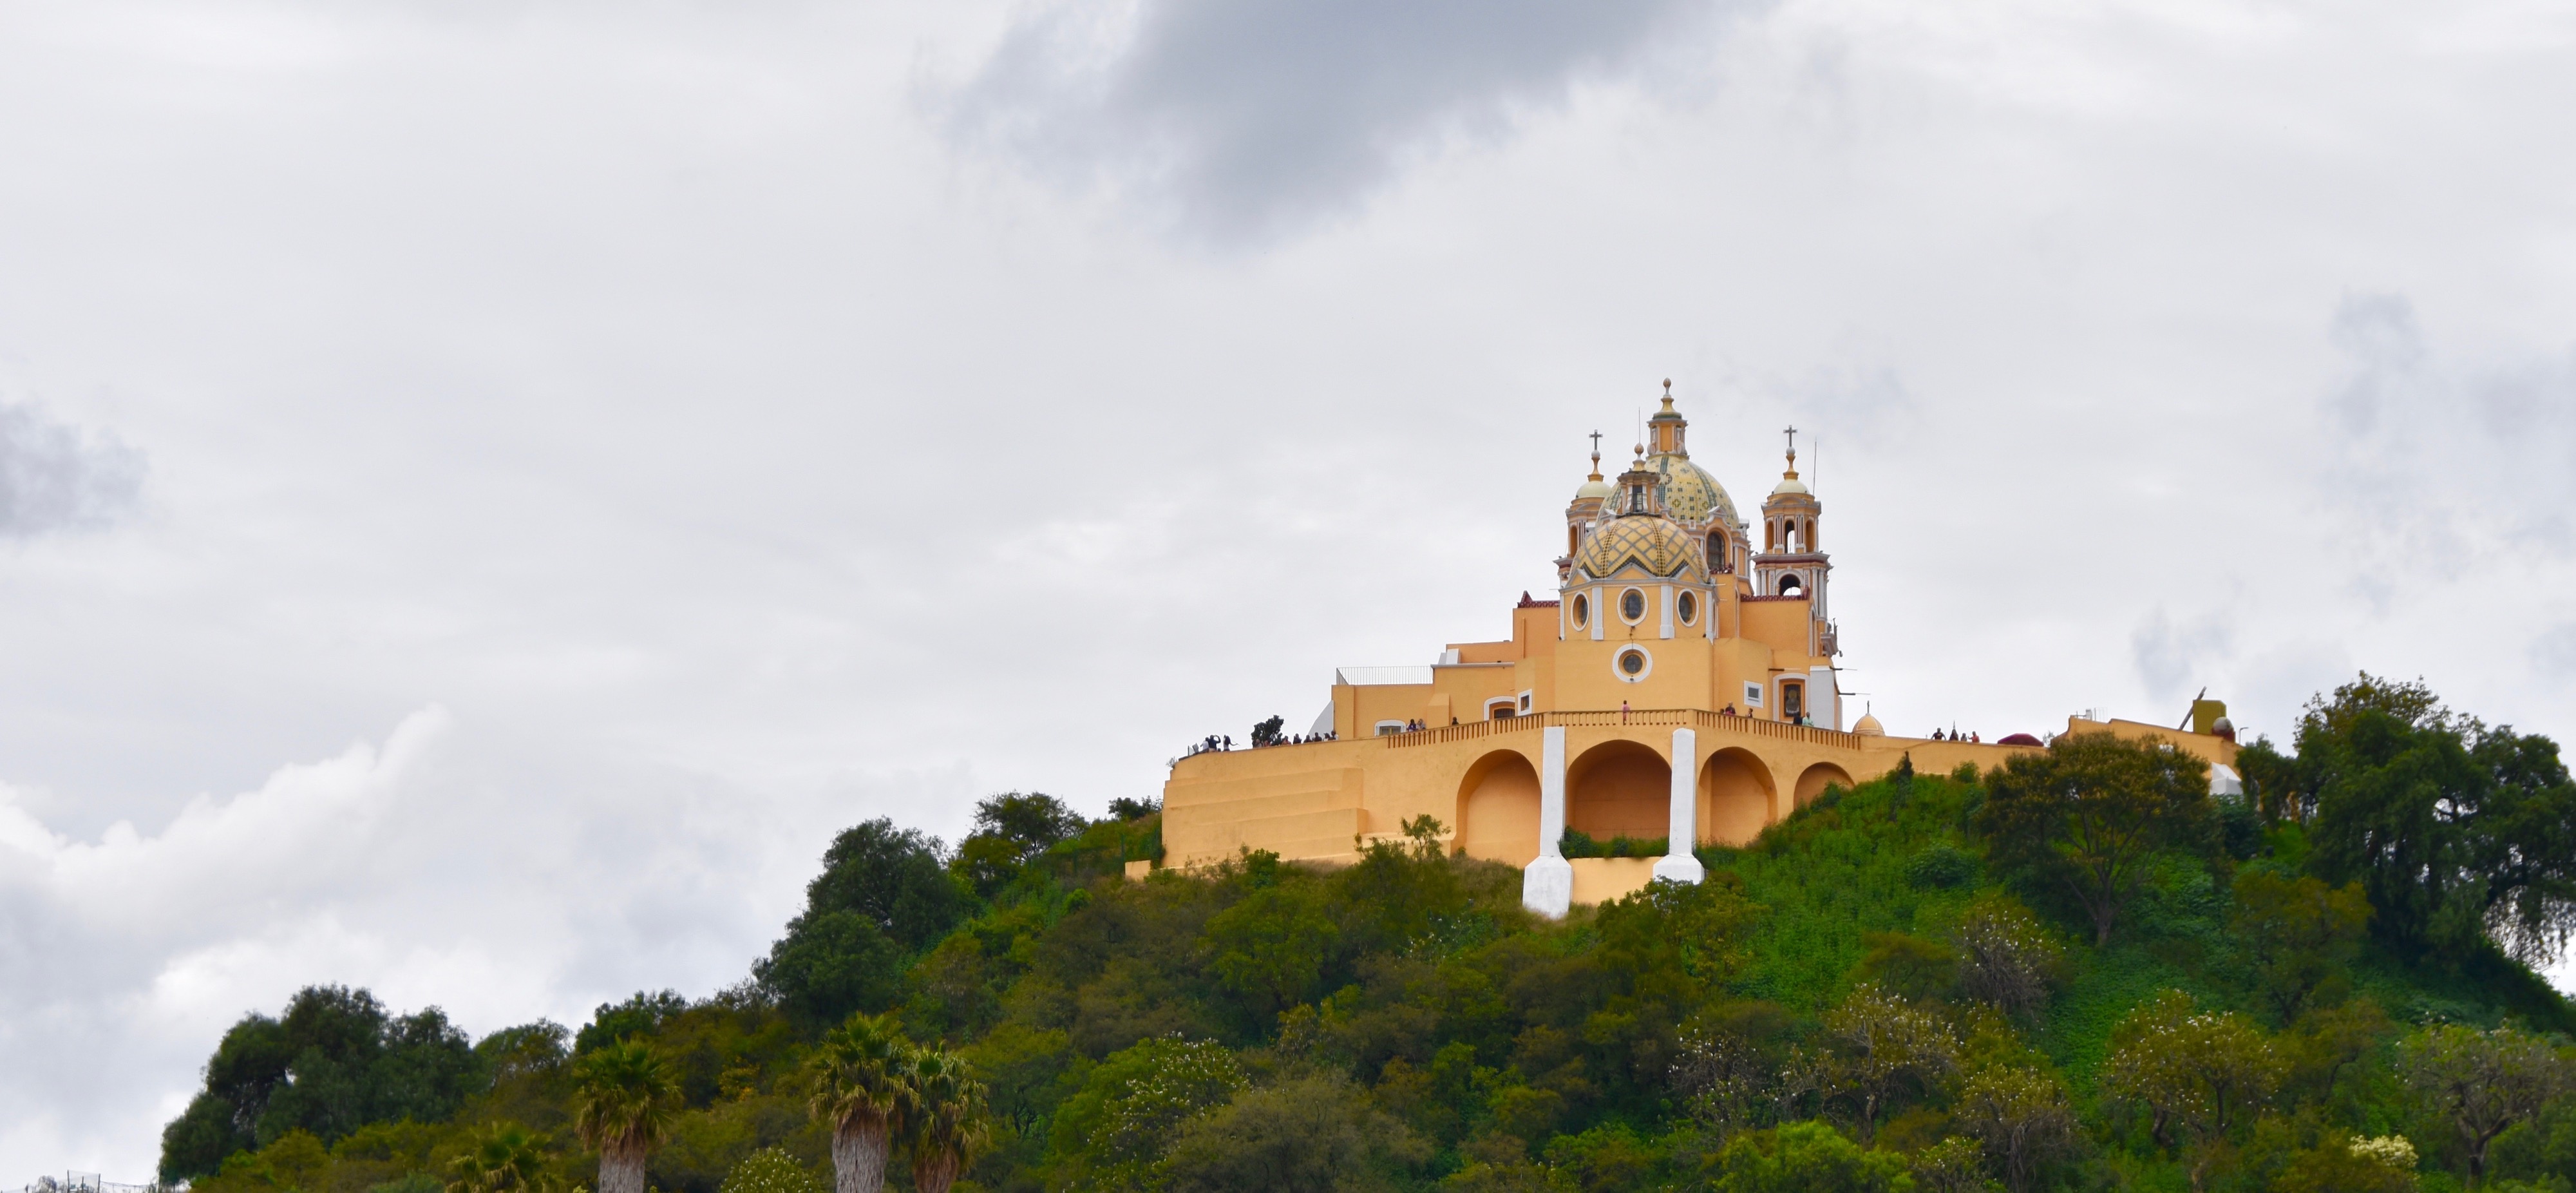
x=1216, y=742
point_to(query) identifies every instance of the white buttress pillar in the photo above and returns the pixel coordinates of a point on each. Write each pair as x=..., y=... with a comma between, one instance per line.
x=1547, y=886
x=1679, y=864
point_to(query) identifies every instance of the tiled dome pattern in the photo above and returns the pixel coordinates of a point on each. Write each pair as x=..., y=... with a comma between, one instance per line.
x=1657, y=545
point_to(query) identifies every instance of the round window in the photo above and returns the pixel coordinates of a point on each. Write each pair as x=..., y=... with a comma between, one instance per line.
x=1632, y=604
x=1632, y=662
x=1688, y=606
x=1581, y=607
x=1632, y=665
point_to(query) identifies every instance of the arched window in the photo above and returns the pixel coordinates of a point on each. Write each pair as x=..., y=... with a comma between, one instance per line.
x=1810, y=534
x=1791, y=584
x=1573, y=539
x=1717, y=556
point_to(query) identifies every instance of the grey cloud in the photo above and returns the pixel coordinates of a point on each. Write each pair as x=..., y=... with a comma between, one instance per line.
x=2169, y=655
x=1859, y=399
x=54, y=476
x=1247, y=120
x=2553, y=653
x=2409, y=419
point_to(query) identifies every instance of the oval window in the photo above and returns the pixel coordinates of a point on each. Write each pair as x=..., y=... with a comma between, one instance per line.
x=1632, y=604
x=1689, y=605
x=1632, y=662
x=1581, y=607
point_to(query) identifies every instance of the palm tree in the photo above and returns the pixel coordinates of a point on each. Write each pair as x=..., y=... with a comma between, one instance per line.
x=944, y=1118
x=856, y=1075
x=623, y=1098
x=506, y=1158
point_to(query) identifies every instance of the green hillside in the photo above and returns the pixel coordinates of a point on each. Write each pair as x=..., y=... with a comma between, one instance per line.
x=2078, y=972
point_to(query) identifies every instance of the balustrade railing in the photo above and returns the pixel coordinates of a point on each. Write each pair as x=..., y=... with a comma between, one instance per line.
x=1605, y=718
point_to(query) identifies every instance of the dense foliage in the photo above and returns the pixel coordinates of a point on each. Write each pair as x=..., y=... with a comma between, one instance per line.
x=2074, y=972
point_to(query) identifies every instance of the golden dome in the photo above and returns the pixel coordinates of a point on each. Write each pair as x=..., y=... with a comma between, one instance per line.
x=1690, y=494
x=1868, y=726
x=1657, y=545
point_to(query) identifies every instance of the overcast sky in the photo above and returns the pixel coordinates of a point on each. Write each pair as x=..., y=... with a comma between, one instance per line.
x=486, y=489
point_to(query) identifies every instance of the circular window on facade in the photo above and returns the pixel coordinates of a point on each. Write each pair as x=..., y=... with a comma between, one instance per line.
x=1632, y=605
x=1581, y=607
x=1688, y=607
x=1632, y=664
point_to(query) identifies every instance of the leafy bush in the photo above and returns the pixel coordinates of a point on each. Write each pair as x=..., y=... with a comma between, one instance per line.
x=1942, y=867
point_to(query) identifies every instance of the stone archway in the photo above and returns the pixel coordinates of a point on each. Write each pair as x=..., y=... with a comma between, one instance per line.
x=1815, y=779
x=1498, y=809
x=1736, y=797
x=1619, y=789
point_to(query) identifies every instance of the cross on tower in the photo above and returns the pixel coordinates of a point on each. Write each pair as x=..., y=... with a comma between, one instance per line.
x=1793, y=441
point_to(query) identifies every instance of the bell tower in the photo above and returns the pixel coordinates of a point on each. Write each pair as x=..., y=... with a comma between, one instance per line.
x=1793, y=561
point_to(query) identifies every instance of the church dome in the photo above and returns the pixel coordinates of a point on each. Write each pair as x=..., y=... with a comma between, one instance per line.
x=1789, y=484
x=1655, y=544
x=1690, y=494
x=1868, y=726
x=1595, y=489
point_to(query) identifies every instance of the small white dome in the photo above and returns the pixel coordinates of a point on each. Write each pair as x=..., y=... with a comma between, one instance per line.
x=1596, y=488
x=1868, y=726
x=1789, y=484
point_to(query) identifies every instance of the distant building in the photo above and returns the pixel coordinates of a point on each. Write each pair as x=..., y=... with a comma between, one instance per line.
x=1683, y=685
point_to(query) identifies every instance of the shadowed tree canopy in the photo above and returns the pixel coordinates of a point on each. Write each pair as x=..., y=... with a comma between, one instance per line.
x=332, y=1063
x=884, y=894
x=2457, y=831
x=2083, y=819
x=1011, y=829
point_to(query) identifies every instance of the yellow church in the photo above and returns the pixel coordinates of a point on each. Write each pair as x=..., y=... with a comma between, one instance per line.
x=1683, y=685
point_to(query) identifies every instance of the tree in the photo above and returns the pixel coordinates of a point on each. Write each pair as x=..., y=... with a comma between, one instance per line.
x=2296, y=934
x=894, y=877
x=1953, y=1165
x=1011, y=830
x=832, y=965
x=1267, y=732
x=856, y=1074
x=335, y=1060
x=2481, y=1081
x=2457, y=831
x=1808, y=1157
x=623, y=1100
x=2006, y=958
x=1887, y=1050
x=642, y=1014
x=1110, y=1133
x=2085, y=816
x=770, y=1170
x=505, y=1158
x=1270, y=948
x=2342, y=1164
x=1310, y=1135
x=2198, y=1074
x=945, y=1118
x=2021, y=1116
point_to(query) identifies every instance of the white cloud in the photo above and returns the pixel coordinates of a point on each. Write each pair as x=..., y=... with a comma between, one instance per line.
x=447, y=866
